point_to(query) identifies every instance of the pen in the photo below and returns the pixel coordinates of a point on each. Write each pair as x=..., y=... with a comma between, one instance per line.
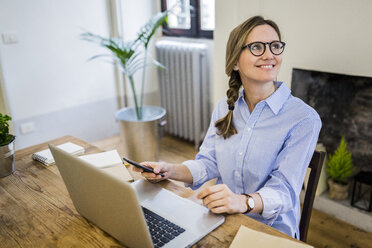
x=144, y=168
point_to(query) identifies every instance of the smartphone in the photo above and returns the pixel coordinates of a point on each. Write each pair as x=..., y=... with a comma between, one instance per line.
x=144, y=168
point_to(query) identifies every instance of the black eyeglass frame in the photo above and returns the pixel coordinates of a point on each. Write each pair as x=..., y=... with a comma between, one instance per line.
x=264, y=44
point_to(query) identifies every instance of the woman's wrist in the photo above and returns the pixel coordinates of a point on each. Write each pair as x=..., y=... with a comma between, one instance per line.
x=244, y=206
x=170, y=170
x=179, y=172
x=258, y=204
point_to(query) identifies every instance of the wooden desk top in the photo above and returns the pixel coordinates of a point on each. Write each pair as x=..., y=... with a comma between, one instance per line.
x=36, y=210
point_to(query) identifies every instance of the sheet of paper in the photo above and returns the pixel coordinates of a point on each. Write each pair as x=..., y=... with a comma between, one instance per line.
x=110, y=162
x=103, y=159
x=247, y=237
x=120, y=172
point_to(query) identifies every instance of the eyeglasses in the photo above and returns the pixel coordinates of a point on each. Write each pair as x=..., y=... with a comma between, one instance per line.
x=258, y=48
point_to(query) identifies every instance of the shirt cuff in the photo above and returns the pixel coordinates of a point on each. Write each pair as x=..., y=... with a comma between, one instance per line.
x=198, y=172
x=272, y=204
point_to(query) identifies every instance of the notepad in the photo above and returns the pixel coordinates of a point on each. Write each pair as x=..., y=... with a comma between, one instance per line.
x=46, y=157
x=103, y=159
x=247, y=237
x=110, y=162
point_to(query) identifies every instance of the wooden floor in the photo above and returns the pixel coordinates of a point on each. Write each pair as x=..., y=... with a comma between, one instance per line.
x=324, y=231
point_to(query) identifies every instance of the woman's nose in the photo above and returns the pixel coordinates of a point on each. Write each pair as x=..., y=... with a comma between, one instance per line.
x=267, y=54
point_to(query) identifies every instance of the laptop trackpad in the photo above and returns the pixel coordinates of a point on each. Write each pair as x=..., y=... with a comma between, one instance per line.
x=179, y=210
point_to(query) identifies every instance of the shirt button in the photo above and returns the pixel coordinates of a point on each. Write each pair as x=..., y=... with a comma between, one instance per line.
x=249, y=129
x=240, y=153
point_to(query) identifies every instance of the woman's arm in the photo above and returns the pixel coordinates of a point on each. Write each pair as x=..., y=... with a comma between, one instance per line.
x=192, y=172
x=280, y=193
x=220, y=199
x=177, y=172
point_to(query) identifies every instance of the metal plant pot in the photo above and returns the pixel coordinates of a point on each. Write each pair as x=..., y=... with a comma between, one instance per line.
x=7, y=159
x=141, y=138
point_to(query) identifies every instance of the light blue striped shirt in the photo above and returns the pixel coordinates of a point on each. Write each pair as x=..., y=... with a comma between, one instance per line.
x=268, y=155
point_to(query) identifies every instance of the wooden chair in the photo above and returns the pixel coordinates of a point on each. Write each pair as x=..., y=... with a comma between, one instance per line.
x=315, y=165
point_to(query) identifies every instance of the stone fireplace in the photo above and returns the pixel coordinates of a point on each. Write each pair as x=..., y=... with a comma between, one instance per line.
x=344, y=104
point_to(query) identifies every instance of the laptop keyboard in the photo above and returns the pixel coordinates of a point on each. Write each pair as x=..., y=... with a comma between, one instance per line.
x=162, y=231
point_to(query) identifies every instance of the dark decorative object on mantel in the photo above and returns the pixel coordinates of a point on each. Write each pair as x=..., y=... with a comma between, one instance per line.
x=344, y=104
x=361, y=190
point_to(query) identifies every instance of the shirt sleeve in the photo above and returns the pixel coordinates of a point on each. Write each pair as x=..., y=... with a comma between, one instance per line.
x=280, y=192
x=204, y=167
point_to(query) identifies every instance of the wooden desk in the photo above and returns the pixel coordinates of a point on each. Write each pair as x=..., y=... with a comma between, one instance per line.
x=36, y=210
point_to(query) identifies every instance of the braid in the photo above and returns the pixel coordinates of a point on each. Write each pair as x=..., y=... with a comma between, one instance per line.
x=225, y=125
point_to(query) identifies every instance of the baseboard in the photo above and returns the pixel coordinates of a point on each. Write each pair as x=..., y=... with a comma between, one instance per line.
x=342, y=210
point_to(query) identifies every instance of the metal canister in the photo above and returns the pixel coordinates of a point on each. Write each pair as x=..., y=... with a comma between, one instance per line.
x=141, y=138
x=7, y=159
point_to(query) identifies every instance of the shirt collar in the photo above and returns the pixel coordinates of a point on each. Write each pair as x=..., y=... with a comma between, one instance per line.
x=277, y=99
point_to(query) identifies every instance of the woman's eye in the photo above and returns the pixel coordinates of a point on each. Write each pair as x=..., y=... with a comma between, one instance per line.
x=276, y=46
x=256, y=47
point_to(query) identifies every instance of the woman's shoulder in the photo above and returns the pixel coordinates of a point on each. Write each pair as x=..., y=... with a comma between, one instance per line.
x=222, y=102
x=221, y=107
x=296, y=106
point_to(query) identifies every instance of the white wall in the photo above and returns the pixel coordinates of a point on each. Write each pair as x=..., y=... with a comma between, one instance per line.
x=3, y=100
x=333, y=36
x=47, y=69
x=46, y=74
x=135, y=14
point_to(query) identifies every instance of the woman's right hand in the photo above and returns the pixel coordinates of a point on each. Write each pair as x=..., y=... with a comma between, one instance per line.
x=157, y=167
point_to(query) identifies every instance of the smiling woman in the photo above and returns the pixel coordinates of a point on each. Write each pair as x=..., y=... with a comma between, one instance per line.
x=258, y=64
x=260, y=139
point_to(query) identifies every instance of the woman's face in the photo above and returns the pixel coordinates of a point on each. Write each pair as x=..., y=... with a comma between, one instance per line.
x=264, y=68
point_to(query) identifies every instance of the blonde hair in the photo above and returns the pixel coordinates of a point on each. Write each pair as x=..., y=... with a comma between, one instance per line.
x=225, y=126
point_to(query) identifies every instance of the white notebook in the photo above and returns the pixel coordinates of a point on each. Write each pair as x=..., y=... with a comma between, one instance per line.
x=110, y=162
x=46, y=157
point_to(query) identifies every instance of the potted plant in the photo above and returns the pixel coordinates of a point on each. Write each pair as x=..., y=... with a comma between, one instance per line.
x=340, y=168
x=6, y=147
x=139, y=124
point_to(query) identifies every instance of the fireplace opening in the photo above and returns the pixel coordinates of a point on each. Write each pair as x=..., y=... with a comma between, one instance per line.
x=344, y=104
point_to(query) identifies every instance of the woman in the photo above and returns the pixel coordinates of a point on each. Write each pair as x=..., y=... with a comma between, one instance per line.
x=260, y=149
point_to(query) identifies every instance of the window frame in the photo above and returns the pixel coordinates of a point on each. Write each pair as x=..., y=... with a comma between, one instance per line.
x=195, y=30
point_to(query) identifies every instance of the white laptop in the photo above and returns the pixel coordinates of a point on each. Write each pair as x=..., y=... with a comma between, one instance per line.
x=119, y=208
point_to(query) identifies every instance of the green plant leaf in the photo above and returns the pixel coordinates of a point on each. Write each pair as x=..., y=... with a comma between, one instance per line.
x=149, y=29
x=5, y=136
x=158, y=64
x=340, y=164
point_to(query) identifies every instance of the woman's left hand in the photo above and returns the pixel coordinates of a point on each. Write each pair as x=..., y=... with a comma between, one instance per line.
x=220, y=199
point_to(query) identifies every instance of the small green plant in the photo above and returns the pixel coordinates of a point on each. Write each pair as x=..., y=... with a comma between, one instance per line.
x=340, y=164
x=5, y=137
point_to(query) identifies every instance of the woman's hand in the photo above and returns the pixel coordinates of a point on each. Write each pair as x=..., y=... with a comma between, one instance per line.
x=157, y=167
x=220, y=199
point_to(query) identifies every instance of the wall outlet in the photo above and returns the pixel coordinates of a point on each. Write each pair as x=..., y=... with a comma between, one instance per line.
x=27, y=127
x=10, y=37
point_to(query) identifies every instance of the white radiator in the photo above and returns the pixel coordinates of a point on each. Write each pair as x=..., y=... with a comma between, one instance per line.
x=184, y=88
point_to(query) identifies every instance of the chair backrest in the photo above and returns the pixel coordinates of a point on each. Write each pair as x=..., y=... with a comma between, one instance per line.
x=315, y=166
